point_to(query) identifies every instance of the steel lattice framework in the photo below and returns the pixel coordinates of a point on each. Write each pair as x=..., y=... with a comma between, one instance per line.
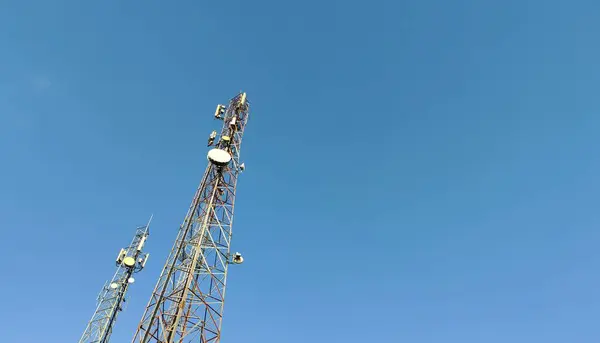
x=187, y=302
x=112, y=296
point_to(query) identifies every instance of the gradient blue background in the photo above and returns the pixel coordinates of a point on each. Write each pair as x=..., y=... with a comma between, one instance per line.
x=417, y=171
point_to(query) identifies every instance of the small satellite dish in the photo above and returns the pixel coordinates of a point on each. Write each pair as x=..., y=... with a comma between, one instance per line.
x=219, y=157
x=129, y=261
x=131, y=280
x=114, y=285
x=237, y=258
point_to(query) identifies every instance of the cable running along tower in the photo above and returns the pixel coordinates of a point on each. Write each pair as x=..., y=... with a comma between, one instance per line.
x=187, y=302
x=130, y=260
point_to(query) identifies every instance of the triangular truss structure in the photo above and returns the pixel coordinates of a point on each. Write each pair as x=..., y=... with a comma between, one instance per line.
x=187, y=302
x=112, y=297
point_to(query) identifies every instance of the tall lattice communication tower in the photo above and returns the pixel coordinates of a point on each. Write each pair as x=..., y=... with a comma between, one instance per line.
x=187, y=302
x=130, y=260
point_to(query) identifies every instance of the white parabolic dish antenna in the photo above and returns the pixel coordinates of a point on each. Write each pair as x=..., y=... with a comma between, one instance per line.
x=129, y=261
x=219, y=157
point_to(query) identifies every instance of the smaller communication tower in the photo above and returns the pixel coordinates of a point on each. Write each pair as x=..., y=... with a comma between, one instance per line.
x=130, y=260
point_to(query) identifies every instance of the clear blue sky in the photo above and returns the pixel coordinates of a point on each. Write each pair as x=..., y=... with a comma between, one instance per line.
x=417, y=171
